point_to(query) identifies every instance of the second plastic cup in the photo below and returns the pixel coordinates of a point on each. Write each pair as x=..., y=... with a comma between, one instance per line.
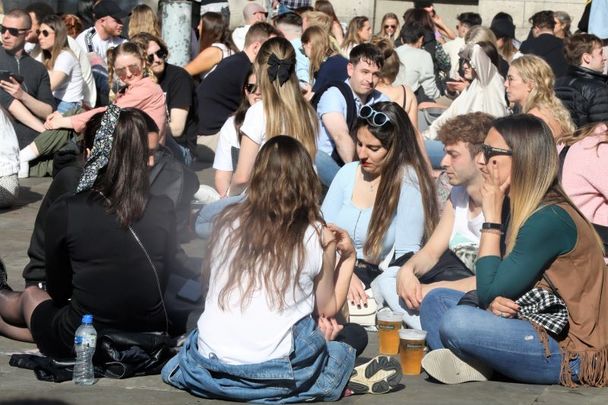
x=411, y=350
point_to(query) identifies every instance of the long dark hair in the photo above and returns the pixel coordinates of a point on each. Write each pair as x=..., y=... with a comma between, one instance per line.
x=61, y=40
x=399, y=138
x=265, y=233
x=124, y=181
x=214, y=29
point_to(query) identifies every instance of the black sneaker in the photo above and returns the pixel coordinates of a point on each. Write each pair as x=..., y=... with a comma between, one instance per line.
x=378, y=376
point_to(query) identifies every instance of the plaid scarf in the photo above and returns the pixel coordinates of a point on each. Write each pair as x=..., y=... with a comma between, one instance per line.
x=543, y=308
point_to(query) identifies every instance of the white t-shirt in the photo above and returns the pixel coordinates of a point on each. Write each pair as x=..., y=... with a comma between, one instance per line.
x=227, y=147
x=466, y=233
x=259, y=332
x=238, y=36
x=254, y=124
x=72, y=88
x=9, y=147
x=98, y=45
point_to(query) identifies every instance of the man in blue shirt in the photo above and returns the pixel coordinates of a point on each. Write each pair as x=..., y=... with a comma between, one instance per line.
x=365, y=62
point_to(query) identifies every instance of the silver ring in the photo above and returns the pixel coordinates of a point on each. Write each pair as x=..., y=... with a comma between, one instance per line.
x=502, y=315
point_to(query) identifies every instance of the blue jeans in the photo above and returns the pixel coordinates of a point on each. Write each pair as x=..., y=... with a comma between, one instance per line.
x=67, y=106
x=315, y=370
x=509, y=346
x=181, y=153
x=327, y=168
x=203, y=224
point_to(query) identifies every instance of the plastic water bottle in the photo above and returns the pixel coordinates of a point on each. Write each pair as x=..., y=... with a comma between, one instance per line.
x=84, y=345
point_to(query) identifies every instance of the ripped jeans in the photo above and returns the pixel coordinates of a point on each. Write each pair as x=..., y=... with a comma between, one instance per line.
x=509, y=346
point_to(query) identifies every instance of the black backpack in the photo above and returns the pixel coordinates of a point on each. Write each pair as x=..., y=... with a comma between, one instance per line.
x=351, y=108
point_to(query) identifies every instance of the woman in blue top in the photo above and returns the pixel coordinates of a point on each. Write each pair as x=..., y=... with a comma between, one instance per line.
x=385, y=200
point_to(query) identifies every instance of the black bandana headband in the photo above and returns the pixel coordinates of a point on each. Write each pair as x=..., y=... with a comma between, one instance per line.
x=102, y=146
x=279, y=68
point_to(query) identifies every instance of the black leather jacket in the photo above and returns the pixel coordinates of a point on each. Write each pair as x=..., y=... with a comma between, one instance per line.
x=585, y=93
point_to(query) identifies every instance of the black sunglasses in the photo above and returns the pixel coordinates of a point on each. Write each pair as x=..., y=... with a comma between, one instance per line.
x=160, y=54
x=251, y=88
x=45, y=33
x=390, y=26
x=13, y=31
x=373, y=117
x=489, y=152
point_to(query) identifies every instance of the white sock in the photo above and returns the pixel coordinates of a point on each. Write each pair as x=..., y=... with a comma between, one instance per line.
x=30, y=152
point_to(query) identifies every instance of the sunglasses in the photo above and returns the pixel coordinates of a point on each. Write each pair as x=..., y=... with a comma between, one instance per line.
x=390, y=26
x=489, y=152
x=373, y=117
x=13, y=31
x=251, y=88
x=122, y=72
x=44, y=33
x=160, y=54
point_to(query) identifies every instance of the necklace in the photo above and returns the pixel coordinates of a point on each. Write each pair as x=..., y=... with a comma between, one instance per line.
x=372, y=184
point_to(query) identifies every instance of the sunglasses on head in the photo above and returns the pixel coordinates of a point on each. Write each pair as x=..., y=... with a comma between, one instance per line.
x=251, y=88
x=45, y=33
x=13, y=31
x=122, y=72
x=390, y=26
x=373, y=117
x=160, y=54
x=489, y=152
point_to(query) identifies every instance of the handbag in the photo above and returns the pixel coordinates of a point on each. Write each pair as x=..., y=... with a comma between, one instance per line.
x=128, y=354
x=364, y=315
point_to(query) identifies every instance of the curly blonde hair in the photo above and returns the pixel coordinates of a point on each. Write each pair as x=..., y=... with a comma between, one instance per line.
x=535, y=71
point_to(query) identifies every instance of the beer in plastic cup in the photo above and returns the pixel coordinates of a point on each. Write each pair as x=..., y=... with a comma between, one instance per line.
x=411, y=350
x=389, y=323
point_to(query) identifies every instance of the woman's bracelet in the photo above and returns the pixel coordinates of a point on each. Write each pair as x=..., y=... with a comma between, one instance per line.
x=489, y=230
x=491, y=225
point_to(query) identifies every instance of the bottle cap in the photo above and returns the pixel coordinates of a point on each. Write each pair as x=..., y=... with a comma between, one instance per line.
x=87, y=319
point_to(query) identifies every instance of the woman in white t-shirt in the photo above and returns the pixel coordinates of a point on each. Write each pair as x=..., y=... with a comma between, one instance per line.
x=282, y=111
x=9, y=161
x=272, y=266
x=67, y=83
x=229, y=142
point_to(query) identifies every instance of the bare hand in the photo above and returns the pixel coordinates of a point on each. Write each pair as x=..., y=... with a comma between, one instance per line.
x=344, y=246
x=409, y=288
x=356, y=292
x=458, y=86
x=56, y=121
x=12, y=87
x=329, y=327
x=503, y=307
x=493, y=192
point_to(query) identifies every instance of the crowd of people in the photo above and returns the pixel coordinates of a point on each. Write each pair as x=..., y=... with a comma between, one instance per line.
x=455, y=176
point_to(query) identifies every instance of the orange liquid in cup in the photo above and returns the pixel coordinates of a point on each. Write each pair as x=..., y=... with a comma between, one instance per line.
x=388, y=336
x=411, y=351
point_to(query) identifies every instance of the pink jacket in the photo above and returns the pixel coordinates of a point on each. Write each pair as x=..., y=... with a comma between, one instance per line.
x=585, y=176
x=144, y=94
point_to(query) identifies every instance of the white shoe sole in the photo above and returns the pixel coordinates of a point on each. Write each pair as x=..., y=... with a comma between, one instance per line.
x=446, y=367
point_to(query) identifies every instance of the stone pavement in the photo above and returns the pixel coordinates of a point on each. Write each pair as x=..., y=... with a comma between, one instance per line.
x=19, y=386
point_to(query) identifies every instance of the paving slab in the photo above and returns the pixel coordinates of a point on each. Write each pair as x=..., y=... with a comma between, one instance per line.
x=18, y=386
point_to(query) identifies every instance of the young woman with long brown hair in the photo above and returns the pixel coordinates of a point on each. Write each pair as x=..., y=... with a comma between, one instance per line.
x=215, y=44
x=272, y=266
x=386, y=200
x=63, y=67
x=326, y=7
x=359, y=31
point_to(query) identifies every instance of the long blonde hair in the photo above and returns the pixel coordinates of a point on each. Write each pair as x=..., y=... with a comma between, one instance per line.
x=268, y=239
x=534, y=171
x=320, y=19
x=352, y=32
x=143, y=19
x=321, y=47
x=535, y=71
x=286, y=110
x=131, y=49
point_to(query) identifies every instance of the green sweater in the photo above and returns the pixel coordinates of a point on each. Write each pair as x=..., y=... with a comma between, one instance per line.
x=548, y=233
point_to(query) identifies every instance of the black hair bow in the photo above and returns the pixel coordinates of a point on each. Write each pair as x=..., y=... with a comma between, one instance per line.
x=279, y=68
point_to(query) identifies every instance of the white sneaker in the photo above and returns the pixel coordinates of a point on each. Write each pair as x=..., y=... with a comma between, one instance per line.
x=378, y=376
x=445, y=366
x=206, y=194
x=24, y=170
